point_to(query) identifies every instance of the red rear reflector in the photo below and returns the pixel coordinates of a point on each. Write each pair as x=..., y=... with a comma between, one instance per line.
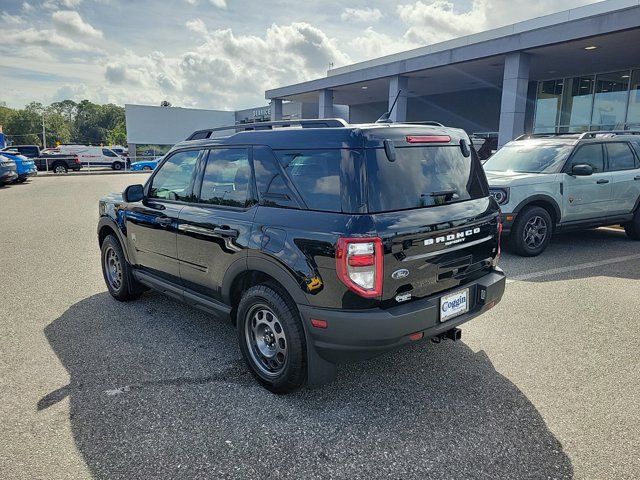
x=428, y=138
x=416, y=336
x=362, y=260
x=319, y=323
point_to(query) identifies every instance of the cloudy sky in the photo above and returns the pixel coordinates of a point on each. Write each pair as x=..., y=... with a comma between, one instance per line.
x=217, y=53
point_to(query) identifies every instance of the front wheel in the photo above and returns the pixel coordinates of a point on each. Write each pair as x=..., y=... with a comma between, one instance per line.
x=147, y=168
x=633, y=227
x=117, y=272
x=531, y=232
x=272, y=339
x=117, y=166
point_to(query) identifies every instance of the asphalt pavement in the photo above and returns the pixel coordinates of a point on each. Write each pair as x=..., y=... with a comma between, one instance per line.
x=545, y=385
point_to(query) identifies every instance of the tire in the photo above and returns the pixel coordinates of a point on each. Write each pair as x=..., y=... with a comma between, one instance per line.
x=531, y=232
x=147, y=168
x=633, y=227
x=21, y=180
x=59, y=168
x=116, y=166
x=272, y=339
x=117, y=272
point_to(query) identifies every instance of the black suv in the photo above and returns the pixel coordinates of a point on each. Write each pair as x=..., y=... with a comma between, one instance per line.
x=323, y=242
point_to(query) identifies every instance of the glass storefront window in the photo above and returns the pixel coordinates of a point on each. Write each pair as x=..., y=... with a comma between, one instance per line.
x=576, y=104
x=548, y=106
x=633, y=116
x=610, y=101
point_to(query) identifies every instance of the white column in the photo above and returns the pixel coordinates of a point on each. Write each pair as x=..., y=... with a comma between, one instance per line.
x=398, y=84
x=325, y=104
x=514, y=97
x=276, y=109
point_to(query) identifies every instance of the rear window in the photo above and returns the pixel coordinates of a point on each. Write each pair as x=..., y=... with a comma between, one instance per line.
x=422, y=177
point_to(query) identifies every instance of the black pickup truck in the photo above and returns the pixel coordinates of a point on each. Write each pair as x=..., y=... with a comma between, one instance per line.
x=54, y=162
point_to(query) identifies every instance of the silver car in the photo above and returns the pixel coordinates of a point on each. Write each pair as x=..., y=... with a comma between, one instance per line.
x=551, y=183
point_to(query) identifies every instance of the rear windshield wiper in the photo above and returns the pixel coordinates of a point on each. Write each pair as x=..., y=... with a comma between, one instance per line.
x=442, y=196
x=452, y=194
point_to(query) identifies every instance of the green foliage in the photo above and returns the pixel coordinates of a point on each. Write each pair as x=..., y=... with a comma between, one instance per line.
x=65, y=122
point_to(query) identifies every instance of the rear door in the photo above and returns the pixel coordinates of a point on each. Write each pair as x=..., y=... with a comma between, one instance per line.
x=432, y=209
x=587, y=197
x=625, y=177
x=214, y=231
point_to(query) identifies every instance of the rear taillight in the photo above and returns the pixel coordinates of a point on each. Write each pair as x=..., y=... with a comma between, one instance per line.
x=77, y=159
x=359, y=265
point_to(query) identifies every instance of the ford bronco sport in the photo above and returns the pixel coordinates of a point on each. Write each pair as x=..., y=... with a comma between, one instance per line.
x=550, y=183
x=323, y=242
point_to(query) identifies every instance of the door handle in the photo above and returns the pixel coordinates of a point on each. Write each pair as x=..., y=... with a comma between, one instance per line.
x=226, y=232
x=602, y=181
x=637, y=177
x=163, y=222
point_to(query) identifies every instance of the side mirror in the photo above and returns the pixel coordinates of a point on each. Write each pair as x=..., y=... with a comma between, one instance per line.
x=582, y=170
x=133, y=193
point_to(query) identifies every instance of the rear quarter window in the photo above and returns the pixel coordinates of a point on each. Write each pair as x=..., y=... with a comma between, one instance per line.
x=326, y=180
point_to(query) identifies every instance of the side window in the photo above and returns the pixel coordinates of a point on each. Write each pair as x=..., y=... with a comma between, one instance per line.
x=272, y=188
x=108, y=153
x=620, y=156
x=589, y=154
x=173, y=179
x=316, y=176
x=226, y=178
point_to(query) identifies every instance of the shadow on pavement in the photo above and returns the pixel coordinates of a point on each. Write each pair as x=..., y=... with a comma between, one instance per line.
x=159, y=390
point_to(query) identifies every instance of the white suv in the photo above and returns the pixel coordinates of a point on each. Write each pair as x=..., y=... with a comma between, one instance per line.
x=545, y=184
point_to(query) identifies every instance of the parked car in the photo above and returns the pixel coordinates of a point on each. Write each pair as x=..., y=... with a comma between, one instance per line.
x=322, y=244
x=25, y=167
x=145, y=165
x=553, y=183
x=55, y=162
x=91, y=156
x=8, y=171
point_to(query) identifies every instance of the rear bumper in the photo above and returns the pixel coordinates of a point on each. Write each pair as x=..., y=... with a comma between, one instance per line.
x=361, y=334
x=30, y=173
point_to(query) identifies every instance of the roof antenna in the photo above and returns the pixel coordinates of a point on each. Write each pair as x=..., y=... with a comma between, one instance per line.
x=385, y=116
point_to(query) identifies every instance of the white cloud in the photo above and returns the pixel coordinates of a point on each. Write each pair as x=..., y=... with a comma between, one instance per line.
x=196, y=25
x=228, y=70
x=27, y=7
x=70, y=22
x=363, y=15
x=11, y=19
x=371, y=44
x=438, y=20
x=44, y=38
x=219, y=3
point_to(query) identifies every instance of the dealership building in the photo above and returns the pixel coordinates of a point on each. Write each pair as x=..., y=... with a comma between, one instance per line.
x=571, y=71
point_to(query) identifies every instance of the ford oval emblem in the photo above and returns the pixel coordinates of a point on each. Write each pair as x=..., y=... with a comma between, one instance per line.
x=398, y=274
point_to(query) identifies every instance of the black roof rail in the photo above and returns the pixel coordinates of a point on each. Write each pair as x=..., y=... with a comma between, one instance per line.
x=525, y=136
x=242, y=127
x=612, y=133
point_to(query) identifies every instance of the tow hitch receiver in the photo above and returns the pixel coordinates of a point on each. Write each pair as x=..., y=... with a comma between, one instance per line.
x=454, y=334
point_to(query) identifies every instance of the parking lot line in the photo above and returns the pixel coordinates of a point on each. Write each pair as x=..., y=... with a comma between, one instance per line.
x=572, y=268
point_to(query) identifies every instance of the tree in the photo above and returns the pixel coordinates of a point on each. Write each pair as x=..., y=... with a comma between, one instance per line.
x=117, y=135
